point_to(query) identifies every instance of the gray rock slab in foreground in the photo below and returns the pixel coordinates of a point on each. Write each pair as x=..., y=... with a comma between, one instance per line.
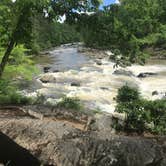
x=61, y=143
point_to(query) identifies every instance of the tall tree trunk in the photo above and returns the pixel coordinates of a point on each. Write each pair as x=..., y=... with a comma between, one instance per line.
x=6, y=57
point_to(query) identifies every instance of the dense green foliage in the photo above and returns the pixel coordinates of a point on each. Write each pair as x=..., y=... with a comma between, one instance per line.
x=142, y=115
x=126, y=94
x=19, y=65
x=46, y=34
x=136, y=28
x=9, y=94
x=34, y=24
x=70, y=103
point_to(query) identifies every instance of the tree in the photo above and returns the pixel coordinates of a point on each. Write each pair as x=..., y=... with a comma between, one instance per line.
x=23, y=10
x=131, y=27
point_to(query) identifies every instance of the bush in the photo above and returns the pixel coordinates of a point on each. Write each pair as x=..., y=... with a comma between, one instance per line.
x=137, y=117
x=9, y=95
x=20, y=64
x=70, y=103
x=127, y=94
x=142, y=115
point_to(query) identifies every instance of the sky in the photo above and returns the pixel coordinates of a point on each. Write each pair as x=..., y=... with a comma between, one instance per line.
x=105, y=2
x=108, y=2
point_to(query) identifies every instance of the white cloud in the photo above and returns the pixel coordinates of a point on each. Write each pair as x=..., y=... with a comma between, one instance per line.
x=117, y=2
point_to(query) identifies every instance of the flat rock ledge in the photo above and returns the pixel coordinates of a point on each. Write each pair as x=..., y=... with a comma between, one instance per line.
x=61, y=142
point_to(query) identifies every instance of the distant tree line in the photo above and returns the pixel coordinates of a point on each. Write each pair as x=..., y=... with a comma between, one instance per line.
x=34, y=24
x=136, y=29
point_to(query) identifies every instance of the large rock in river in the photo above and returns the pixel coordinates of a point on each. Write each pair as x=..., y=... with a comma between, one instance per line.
x=146, y=74
x=48, y=78
x=123, y=72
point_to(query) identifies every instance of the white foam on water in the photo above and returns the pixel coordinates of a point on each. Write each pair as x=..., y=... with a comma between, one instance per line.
x=99, y=86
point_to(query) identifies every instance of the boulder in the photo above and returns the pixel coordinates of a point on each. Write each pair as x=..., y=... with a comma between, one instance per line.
x=46, y=69
x=146, y=74
x=100, y=123
x=48, y=78
x=98, y=62
x=123, y=72
x=56, y=71
x=75, y=84
x=154, y=93
x=82, y=49
x=104, y=88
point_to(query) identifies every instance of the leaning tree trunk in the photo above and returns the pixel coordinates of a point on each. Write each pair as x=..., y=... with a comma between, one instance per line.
x=6, y=56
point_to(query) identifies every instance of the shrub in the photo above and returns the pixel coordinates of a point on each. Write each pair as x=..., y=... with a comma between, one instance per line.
x=137, y=117
x=70, y=103
x=9, y=94
x=127, y=94
x=20, y=64
x=142, y=115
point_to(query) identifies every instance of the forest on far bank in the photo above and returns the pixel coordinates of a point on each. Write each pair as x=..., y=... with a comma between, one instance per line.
x=136, y=29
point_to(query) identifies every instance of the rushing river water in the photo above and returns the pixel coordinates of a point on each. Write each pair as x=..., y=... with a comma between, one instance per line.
x=96, y=84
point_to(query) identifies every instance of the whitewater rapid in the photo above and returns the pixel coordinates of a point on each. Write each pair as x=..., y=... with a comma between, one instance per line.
x=97, y=85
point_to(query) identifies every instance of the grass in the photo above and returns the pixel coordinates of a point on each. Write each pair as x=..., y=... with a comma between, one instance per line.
x=10, y=96
x=70, y=103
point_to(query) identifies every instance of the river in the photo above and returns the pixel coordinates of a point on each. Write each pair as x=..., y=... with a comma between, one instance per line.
x=74, y=74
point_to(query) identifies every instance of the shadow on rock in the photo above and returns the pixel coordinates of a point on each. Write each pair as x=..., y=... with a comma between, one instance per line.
x=12, y=154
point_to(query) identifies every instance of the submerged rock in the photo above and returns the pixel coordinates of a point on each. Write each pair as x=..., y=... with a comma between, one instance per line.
x=123, y=72
x=46, y=69
x=75, y=84
x=98, y=62
x=48, y=78
x=56, y=71
x=146, y=74
x=159, y=95
x=154, y=93
x=104, y=88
